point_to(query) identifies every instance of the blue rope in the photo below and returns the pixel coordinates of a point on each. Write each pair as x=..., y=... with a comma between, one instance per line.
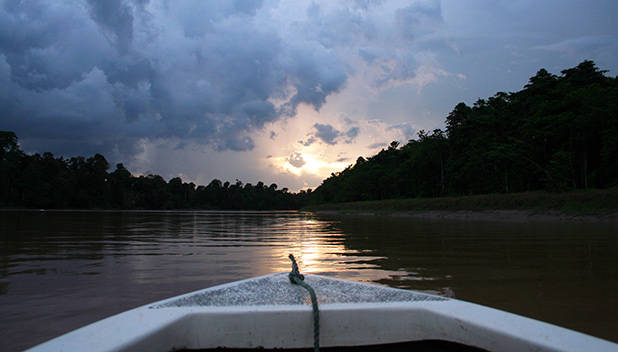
x=298, y=279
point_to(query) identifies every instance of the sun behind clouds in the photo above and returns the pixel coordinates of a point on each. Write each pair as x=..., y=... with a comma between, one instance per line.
x=302, y=162
x=315, y=144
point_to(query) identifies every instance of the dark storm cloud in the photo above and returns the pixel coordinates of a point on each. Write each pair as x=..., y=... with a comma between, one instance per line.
x=46, y=46
x=115, y=17
x=330, y=135
x=108, y=74
x=327, y=133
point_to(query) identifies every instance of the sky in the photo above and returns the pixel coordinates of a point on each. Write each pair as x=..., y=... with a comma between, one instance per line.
x=283, y=92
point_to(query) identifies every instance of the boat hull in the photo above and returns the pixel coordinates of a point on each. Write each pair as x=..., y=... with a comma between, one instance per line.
x=272, y=313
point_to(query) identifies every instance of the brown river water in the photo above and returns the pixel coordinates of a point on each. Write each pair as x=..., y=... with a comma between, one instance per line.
x=60, y=270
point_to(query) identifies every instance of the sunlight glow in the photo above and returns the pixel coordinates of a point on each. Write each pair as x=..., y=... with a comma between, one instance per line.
x=311, y=165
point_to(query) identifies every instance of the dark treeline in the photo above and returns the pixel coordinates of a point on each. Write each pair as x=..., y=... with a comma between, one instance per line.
x=558, y=133
x=45, y=181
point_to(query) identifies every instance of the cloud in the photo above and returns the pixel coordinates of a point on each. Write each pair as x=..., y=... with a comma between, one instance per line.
x=115, y=18
x=349, y=121
x=330, y=135
x=326, y=133
x=376, y=145
x=107, y=75
x=155, y=69
x=580, y=44
x=308, y=142
x=406, y=130
x=296, y=160
x=351, y=134
x=419, y=15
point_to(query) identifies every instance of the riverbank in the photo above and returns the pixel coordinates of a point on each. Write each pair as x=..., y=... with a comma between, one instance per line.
x=589, y=205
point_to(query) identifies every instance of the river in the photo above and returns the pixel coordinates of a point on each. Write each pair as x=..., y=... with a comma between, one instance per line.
x=60, y=270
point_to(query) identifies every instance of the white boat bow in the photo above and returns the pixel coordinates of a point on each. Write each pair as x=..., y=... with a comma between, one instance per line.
x=269, y=312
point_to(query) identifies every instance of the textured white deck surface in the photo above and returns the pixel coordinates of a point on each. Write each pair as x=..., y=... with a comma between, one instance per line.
x=270, y=312
x=277, y=290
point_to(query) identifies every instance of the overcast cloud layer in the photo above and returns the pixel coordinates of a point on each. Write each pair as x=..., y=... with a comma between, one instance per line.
x=153, y=82
x=204, y=71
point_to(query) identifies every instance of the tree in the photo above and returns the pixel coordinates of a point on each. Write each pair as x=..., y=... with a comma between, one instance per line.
x=11, y=158
x=121, y=188
x=8, y=143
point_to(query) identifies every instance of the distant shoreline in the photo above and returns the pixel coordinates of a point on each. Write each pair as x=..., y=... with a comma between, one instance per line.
x=576, y=206
x=77, y=210
x=483, y=215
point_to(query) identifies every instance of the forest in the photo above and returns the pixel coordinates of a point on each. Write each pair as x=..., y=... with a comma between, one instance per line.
x=46, y=181
x=559, y=133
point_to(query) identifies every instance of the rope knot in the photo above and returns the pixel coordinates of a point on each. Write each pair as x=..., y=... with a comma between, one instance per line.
x=295, y=274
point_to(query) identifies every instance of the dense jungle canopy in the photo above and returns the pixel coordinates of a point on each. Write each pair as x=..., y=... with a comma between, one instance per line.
x=556, y=134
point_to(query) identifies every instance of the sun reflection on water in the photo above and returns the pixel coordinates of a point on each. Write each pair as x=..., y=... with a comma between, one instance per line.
x=319, y=248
